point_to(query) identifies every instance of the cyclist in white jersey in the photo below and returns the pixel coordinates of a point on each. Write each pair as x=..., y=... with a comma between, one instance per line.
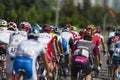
x=4, y=41
x=26, y=56
x=15, y=38
x=67, y=42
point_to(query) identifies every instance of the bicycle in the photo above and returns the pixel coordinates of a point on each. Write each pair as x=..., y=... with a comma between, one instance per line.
x=42, y=73
x=95, y=71
x=61, y=68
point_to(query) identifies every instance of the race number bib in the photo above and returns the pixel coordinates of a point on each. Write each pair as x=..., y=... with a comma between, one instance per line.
x=12, y=50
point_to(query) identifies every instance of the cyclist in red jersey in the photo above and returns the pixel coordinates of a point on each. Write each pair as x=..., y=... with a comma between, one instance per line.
x=98, y=39
x=48, y=40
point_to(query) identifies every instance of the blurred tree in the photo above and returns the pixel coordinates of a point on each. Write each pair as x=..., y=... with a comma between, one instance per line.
x=2, y=8
x=97, y=14
x=68, y=12
x=12, y=15
x=86, y=5
x=32, y=15
x=118, y=18
x=22, y=14
x=43, y=11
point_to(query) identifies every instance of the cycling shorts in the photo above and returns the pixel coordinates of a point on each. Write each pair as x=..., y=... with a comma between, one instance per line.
x=2, y=48
x=24, y=63
x=96, y=50
x=86, y=68
x=116, y=60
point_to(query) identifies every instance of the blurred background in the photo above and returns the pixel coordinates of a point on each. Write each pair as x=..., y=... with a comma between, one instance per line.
x=102, y=13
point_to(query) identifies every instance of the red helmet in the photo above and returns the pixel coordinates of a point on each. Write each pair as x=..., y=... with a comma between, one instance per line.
x=12, y=25
x=98, y=30
x=25, y=26
x=68, y=25
x=46, y=28
x=89, y=32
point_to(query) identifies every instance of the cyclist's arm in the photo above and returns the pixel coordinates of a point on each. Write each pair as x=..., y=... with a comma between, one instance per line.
x=61, y=47
x=71, y=42
x=56, y=45
x=54, y=49
x=103, y=46
x=46, y=63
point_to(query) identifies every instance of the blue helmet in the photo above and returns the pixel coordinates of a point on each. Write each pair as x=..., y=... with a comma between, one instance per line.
x=36, y=28
x=55, y=29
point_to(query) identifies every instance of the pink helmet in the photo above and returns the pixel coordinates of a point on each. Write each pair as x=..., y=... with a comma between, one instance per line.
x=25, y=26
x=12, y=26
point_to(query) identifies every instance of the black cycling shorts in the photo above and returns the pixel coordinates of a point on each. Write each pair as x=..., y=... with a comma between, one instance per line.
x=2, y=51
x=86, y=68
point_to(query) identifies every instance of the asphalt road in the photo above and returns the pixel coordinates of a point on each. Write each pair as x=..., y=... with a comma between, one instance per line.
x=103, y=75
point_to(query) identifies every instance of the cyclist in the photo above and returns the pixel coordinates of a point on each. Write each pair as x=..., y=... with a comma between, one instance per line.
x=4, y=41
x=68, y=26
x=59, y=39
x=67, y=43
x=90, y=29
x=27, y=53
x=116, y=54
x=12, y=26
x=15, y=39
x=48, y=40
x=97, y=39
x=73, y=30
x=36, y=27
x=110, y=44
x=81, y=33
x=25, y=26
x=84, y=48
x=112, y=33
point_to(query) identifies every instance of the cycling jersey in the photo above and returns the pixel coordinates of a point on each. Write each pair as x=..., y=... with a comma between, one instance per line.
x=87, y=47
x=15, y=39
x=47, y=39
x=111, y=34
x=97, y=39
x=4, y=35
x=26, y=56
x=74, y=33
x=66, y=40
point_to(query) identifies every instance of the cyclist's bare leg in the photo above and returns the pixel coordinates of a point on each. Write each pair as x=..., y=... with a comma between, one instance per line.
x=51, y=68
x=115, y=72
x=21, y=77
x=97, y=60
x=99, y=57
x=88, y=77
